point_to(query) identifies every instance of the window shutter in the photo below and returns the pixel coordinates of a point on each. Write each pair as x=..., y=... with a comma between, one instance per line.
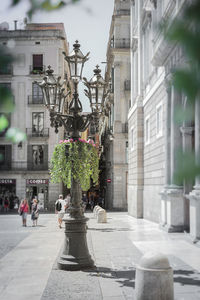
x=29, y=157
x=46, y=156
x=8, y=155
x=37, y=61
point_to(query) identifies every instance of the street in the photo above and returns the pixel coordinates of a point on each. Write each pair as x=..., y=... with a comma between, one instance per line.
x=28, y=258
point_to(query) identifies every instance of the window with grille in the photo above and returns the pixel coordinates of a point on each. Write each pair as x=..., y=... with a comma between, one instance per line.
x=37, y=62
x=5, y=89
x=38, y=155
x=37, y=93
x=38, y=123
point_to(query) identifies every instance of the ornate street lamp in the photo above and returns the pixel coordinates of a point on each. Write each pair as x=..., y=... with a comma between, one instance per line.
x=96, y=92
x=75, y=254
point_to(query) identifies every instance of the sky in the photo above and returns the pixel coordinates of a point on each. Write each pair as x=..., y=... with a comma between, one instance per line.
x=87, y=21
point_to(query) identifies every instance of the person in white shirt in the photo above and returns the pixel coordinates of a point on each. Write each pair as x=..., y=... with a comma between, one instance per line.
x=60, y=207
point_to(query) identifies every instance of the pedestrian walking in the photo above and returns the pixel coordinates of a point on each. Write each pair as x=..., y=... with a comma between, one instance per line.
x=100, y=201
x=6, y=204
x=34, y=212
x=60, y=207
x=1, y=203
x=23, y=211
x=91, y=201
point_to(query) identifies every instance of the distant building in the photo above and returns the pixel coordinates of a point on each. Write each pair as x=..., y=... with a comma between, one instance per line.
x=114, y=162
x=25, y=167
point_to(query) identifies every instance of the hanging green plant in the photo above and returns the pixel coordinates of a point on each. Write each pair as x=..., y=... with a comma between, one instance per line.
x=77, y=158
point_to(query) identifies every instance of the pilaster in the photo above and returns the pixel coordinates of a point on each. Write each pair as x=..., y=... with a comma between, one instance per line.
x=172, y=200
x=194, y=196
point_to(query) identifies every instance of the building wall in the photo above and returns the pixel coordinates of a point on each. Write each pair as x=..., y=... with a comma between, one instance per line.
x=29, y=42
x=154, y=158
x=152, y=60
x=118, y=59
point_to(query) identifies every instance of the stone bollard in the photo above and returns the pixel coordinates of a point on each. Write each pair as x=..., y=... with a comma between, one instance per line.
x=95, y=209
x=101, y=216
x=154, y=278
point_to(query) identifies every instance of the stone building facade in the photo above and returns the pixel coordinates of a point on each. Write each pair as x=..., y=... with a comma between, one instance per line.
x=116, y=143
x=25, y=166
x=154, y=136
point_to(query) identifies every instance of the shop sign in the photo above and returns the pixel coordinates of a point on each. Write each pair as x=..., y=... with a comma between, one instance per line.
x=37, y=181
x=7, y=181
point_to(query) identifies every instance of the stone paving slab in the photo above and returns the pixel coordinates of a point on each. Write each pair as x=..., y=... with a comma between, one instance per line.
x=116, y=248
x=24, y=270
x=29, y=270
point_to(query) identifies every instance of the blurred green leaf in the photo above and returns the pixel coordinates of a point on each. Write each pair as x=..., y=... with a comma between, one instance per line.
x=185, y=80
x=187, y=36
x=5, y=58
x=15, y=135
x=15, y=2
x=184, y=114
x=47, y=5
x=187, y=168
x=3, y=123
x=192, y=13
x=6, y=100
x=185, y=33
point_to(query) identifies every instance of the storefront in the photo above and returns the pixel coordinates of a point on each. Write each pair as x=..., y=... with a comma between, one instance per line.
x=8, y=191
x=38, y=188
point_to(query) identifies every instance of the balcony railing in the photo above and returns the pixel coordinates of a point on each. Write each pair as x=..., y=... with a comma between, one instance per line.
x=123, y=12
x=23, y=166
x=37, y=133
x=37, y=70
x=121, y=43
x=32, y=99
x=33, y=167
x=8, y=70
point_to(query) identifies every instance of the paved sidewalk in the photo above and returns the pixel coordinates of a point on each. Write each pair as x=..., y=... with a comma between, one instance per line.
x=30, y=270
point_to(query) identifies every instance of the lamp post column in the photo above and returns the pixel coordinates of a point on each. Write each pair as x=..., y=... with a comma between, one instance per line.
x=75, y=253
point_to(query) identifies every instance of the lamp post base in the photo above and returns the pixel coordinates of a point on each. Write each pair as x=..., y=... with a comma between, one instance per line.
x=75, y=253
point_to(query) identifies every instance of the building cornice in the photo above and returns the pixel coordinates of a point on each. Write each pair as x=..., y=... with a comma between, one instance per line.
x=30, y=34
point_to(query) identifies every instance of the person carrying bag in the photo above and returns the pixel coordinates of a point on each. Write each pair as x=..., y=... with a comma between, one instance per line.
x=23, y=211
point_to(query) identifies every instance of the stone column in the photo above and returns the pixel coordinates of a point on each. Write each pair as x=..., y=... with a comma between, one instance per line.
x=167, y=155
x=187, y=131
x=194, y=196
x=173, y=204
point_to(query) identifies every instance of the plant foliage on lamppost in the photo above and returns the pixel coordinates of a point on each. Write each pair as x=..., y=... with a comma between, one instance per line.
x=74, y=161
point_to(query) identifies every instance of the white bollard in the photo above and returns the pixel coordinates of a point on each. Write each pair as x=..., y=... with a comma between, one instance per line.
x=94, y=210
x=97, y=209
x=154, y=278
x=101, y=216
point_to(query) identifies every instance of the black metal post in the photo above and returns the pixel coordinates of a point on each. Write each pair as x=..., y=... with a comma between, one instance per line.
x=75, y=254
